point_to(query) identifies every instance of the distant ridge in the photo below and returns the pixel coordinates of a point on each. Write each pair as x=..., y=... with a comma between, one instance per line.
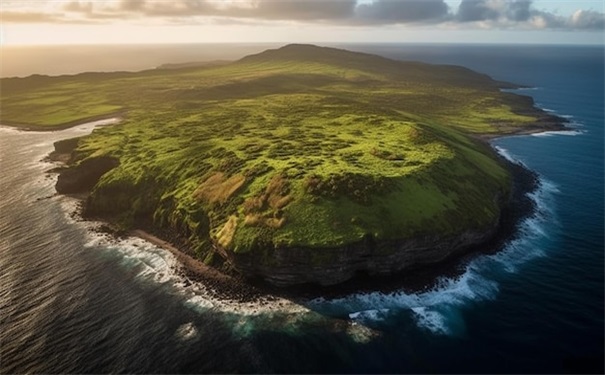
x=411, y=71
x=311, y=52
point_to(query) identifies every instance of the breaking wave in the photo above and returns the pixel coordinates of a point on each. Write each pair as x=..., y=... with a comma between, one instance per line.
x=438, y=310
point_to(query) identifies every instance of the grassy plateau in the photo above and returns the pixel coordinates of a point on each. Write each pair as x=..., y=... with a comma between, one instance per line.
x=298, y=147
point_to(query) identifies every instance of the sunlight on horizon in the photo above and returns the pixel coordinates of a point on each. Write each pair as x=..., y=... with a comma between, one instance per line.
x=284, y=32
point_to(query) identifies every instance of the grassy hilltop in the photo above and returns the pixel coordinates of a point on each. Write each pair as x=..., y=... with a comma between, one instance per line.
x=299, y=147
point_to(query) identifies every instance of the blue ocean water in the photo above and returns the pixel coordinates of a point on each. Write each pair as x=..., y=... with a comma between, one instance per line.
x=75, y=301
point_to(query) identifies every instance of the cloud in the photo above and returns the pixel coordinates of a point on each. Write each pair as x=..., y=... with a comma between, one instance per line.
x=132, y=5
x=79, y=7
x=305, y=9
x=293, y=10
x=29, y=17
x=519, y=10
x=347, y=11
x=491, y=10
x=502, y=14
x=388, y=11
x=587, y=20
x=177, y=8
x=521, y=13
x=545, y=20
x=477, y=10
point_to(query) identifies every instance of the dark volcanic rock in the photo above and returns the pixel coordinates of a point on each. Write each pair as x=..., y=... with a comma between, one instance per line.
x=66, y=145
x=84, y=176
x=64, y=150
x=330, y=266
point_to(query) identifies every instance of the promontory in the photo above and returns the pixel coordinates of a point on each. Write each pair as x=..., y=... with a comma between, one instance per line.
x=296, y=165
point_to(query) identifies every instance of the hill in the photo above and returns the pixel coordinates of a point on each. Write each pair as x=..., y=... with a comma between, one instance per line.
x=300, y=164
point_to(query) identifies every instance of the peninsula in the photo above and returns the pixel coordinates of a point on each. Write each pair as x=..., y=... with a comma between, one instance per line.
x=297, y=165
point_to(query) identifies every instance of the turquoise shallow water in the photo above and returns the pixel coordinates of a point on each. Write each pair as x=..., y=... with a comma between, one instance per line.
x=74, y=301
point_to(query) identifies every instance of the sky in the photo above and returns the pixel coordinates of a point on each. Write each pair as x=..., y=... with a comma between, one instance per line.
x=50, y=22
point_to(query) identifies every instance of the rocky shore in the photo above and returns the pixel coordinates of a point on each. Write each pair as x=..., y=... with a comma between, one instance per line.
x=62, y=126
x=417, y=269
x=413, y=263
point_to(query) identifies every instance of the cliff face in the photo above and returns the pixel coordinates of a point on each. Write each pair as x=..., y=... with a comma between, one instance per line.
x=80, y=178
x=330, y=266
x=84, y=177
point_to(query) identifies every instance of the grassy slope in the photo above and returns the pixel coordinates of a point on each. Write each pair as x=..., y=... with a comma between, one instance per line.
x=301, y=146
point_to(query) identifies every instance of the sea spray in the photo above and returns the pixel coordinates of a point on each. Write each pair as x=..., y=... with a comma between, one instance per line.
x=438, y=310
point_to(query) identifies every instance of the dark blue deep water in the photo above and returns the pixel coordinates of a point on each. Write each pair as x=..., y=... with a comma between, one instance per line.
x=74, y=301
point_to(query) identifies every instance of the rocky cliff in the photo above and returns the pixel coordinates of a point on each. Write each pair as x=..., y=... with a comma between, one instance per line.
x=82, y=177
x=330, y=266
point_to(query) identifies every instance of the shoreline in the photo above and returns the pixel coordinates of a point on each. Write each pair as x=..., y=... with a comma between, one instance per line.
x=416, y=279
x=235, y=287
x=554, y=127
x=64, y=126
x=220, y=285
x=185, y=259
x=422, y=277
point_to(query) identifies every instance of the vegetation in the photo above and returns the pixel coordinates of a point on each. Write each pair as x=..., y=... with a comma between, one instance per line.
x=296, y=147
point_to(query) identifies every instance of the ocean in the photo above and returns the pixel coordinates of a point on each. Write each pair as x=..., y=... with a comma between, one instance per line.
x=76, y=301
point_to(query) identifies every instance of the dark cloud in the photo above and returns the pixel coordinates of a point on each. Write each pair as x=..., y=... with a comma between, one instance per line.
x=305, y=9
x=490, y=10
x=476, y=10
x=390, y=11
x=519, y=10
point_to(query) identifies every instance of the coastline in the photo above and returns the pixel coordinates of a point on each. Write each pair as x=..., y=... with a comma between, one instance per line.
x=415, y=278
x=70, y=124
x=188, y=261
x=112, y=303
x=421, y=278
x=220, y=285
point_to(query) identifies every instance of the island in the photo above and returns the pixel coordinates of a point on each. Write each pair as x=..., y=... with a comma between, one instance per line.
x=297, y=165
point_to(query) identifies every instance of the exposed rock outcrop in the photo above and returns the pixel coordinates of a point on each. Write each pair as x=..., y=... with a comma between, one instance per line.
x=84, y=176
x=64, y=150
x=330, y=266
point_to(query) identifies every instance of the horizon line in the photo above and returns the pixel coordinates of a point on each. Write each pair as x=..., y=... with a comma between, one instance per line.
x=2, y=46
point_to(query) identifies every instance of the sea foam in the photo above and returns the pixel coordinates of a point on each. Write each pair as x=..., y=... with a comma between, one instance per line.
x=439, y=310
x=186, y=332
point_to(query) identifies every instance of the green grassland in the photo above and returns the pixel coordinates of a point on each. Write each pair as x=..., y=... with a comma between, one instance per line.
x=296, y=147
